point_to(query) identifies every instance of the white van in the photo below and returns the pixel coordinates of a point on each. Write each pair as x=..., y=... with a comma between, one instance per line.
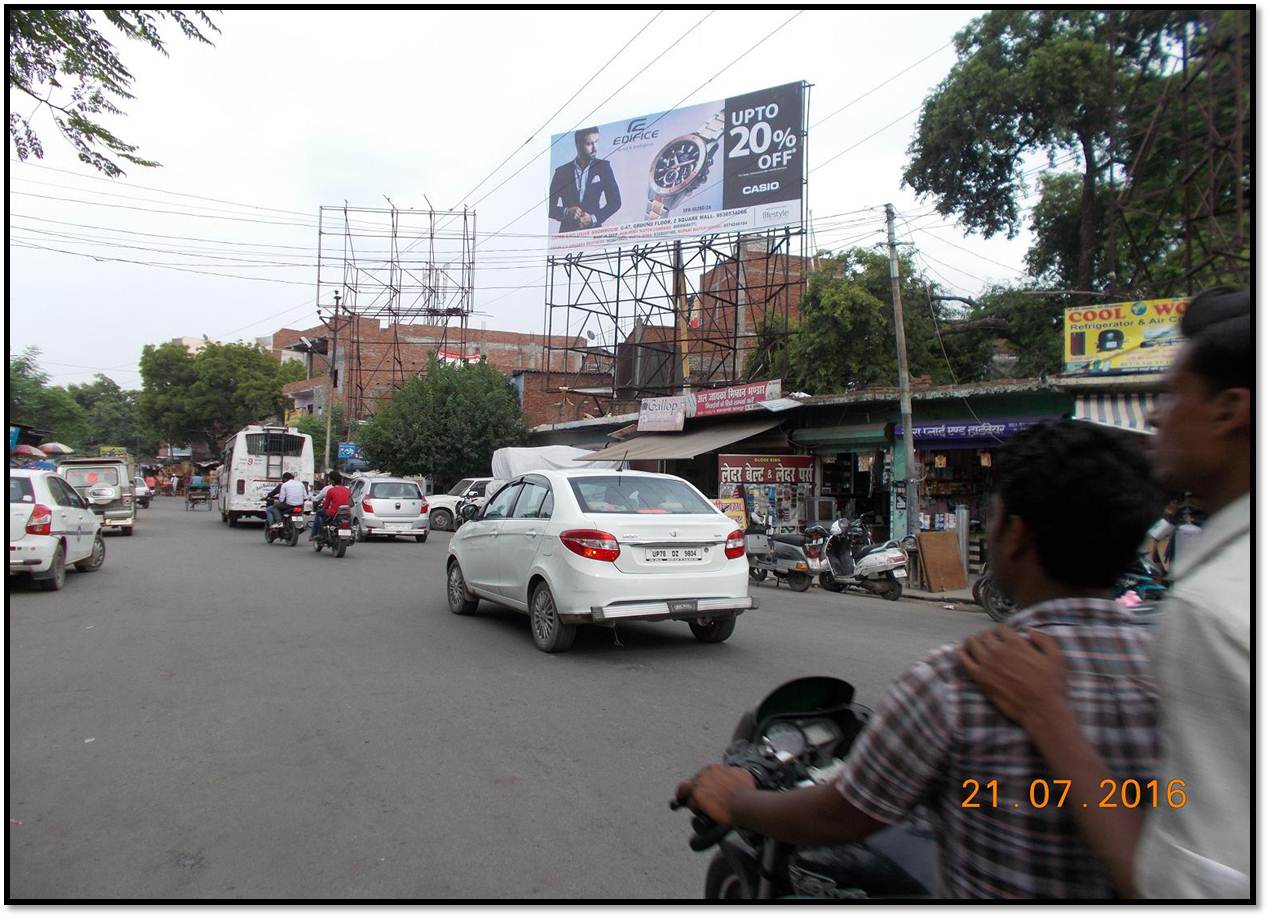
x=253, y=462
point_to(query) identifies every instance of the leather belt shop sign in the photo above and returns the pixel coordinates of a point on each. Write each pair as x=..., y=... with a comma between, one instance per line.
x=763, y=470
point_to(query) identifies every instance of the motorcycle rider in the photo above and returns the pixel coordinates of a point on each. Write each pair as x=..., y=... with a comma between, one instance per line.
x=287, y=493
x=938, y=741
x=317, y=504
x=337, y=495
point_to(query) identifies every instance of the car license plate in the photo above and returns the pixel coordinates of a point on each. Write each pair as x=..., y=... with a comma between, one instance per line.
x=345, y=533
x=396, y=525
x=679, y=606
x=671, y=555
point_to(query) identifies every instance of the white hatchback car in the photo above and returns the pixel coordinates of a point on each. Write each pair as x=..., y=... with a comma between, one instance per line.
x=388, y=507
x=601, y=546
x=50, y=526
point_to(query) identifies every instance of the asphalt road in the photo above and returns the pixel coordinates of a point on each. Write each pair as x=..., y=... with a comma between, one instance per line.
x=211, y=717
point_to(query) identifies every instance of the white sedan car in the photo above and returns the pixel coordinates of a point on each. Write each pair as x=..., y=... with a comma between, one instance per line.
x=600, y=546
x=50, y=526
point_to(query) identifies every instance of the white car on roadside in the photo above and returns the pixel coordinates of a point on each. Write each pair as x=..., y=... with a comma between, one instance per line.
x=384, y=506
x=50, y=526
x=598, y=547
x=443, y=506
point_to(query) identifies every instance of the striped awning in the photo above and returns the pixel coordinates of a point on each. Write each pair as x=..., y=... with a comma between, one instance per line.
x=1127, y=411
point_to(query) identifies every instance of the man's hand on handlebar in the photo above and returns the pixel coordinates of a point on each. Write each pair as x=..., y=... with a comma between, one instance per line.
x=712, y=791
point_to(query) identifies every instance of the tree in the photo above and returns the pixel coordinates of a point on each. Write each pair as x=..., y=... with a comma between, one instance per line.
x=210, y=395
x=315, y=426
x=49, y=48
x=845, y=338
x=1053, y=81
x=113, y=416
x=445, y=423
x=292, y=371
x=32, y=401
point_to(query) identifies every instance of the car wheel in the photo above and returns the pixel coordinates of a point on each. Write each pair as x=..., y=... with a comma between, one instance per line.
x=232, y=520
x=127, y=530
x=442, y=519
x=713, y=630
x=549, y=633
x=421, y=539
x=456, y=590
x=95, y=560
x=799, y=582
x=757, y=574
x=57, y=571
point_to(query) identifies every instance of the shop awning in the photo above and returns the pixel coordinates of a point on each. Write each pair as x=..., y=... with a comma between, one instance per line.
x=686, y=445
x=843, y=438
x=1127, y=411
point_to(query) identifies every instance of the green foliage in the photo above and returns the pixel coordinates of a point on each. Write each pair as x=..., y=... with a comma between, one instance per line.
x=113, y=415
x=445, y=423
x=32, y=401
x=1053, y=81
x=50, y=48
x=1033, y=327
x=210, y=395
x=315, y=426
x=845, y=337
x=291, y=371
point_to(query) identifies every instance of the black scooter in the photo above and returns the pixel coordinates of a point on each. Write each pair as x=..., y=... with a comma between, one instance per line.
x=799, y=735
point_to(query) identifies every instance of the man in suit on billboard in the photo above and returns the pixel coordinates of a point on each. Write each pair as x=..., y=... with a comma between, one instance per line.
x=578, y=187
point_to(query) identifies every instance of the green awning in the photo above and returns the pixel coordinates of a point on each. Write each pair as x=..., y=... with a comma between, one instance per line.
x=842, y=439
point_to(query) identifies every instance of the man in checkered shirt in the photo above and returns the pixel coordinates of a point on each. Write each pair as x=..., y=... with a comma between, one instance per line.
x=1072, y=503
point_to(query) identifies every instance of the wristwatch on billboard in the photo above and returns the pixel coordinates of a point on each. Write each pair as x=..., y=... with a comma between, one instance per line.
x=682, y=165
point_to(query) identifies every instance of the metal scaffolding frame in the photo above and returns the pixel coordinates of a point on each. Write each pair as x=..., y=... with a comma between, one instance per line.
x=365, y=273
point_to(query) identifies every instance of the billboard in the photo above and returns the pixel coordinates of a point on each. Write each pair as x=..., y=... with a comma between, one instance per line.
x=670, y=411
x=734, y=165
x=1141, y=336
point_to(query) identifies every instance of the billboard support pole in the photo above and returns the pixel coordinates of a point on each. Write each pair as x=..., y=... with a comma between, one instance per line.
x=680, y=306
x=330, y=399
x=905, y=384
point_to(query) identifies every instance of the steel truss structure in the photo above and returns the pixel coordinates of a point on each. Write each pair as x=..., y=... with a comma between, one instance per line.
x=396, y=268
x=672, y=314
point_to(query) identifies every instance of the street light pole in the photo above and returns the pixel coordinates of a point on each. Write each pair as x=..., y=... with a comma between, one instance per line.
x=905, y=384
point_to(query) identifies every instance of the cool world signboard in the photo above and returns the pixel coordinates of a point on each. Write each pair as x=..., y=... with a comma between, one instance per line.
x=734, y=165
x=1136, y=337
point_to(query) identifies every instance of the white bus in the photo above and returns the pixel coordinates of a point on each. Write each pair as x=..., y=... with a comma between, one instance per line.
x=253, y=462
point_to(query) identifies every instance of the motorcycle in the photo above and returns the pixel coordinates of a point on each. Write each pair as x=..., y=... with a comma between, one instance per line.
x=798, y=736
x=793, y=558
x=335, y=533
x=289, y=529
x=854, y=563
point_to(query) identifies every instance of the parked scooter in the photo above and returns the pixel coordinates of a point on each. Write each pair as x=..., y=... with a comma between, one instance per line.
x=854, y=563
x=336, y=533
x=291, y=526
x=799, y=736
x=791, y=557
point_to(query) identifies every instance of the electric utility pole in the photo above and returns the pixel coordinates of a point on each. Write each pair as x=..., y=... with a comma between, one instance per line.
x=334, y=380
x=905, y=384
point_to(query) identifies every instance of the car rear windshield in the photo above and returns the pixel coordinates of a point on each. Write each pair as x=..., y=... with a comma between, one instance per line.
x=80, y=477
x=634, y=494
x=20, y=490
x=275, y=444
x=395, y=489
x=460, y=489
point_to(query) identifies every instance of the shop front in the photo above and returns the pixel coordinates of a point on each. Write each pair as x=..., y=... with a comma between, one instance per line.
x=854, y=471
x=776, y=491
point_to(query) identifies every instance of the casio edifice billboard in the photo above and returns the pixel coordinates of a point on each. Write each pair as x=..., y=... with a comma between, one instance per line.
x=730, y=166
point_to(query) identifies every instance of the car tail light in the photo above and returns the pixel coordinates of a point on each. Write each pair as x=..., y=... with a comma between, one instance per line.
x=242, y=486
x=41, y=521
x=423, y=509
x=367, y=507
x=735, y=546
x=591, y=543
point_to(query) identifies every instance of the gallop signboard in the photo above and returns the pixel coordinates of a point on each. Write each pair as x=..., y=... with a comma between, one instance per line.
x=1135, y=337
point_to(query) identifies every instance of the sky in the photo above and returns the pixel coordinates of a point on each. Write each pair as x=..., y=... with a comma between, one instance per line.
x=293, y=110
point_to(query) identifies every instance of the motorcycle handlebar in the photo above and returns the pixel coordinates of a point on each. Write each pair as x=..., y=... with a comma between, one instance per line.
x=706, y=832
